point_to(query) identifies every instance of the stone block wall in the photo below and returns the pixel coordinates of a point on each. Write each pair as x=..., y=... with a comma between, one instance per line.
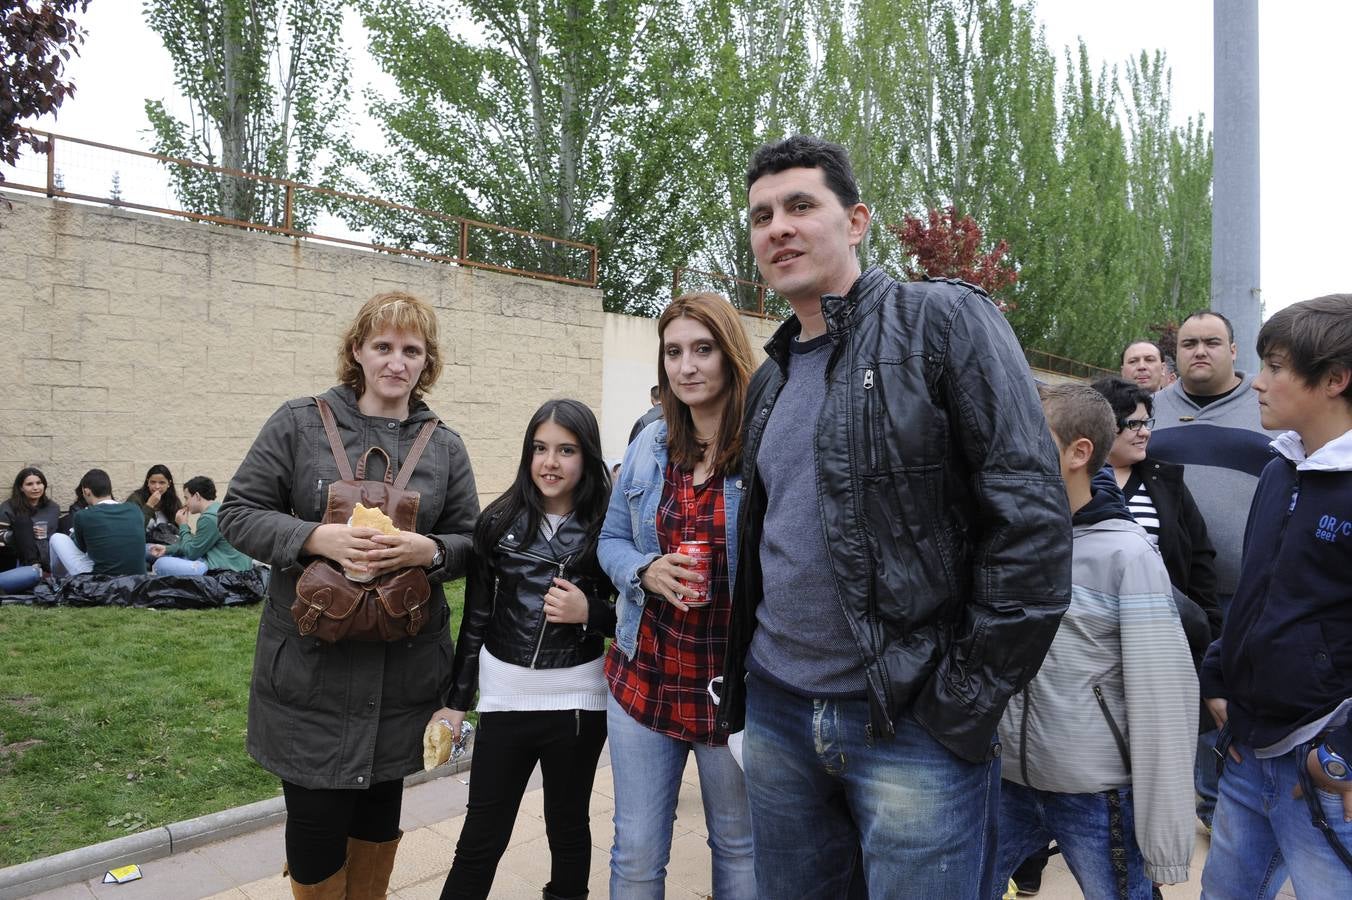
x=133, y=339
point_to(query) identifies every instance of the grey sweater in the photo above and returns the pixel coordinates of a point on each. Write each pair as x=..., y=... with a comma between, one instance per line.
x=1223, y=448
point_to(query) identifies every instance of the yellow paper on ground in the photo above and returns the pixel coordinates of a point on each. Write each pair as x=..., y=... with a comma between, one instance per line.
x=122, y=874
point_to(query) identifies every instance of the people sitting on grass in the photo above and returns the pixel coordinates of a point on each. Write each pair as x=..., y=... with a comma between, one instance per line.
x=107, y=538
x=198, y=551
x=28, y=519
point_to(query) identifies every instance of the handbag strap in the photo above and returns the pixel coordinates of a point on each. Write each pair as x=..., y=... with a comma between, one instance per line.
x=415, y=453
x=361, y=464
x=335, y=442
x=345, y=468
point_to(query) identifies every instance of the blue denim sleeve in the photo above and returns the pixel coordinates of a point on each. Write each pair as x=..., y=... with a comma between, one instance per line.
x=620, y=558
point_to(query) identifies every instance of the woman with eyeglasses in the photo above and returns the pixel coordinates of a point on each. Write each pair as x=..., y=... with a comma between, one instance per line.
x=1161, y=503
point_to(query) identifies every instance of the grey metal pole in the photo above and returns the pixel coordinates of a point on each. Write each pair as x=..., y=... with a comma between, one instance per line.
x=1235, y=220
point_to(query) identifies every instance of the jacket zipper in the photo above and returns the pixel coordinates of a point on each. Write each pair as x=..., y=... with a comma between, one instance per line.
x=540, y=638
x=869, y=436
x=1274, y=549
x=577, y=723
x=1112, y=726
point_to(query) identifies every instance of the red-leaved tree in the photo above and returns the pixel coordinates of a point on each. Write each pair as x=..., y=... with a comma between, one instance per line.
x=37, y=38
x=949, y=246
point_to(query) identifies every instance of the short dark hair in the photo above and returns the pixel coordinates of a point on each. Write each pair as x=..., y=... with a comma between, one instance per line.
x=1123, y=396
x=805, y=152
x=1077, y=411
x=1315, y=335
x=1229, y=327
x=97, y=482
x=655, y=393
x=1122, y=357
x=200, y=485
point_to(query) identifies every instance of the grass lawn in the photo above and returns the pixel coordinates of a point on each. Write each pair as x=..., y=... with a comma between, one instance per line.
x=114, y=720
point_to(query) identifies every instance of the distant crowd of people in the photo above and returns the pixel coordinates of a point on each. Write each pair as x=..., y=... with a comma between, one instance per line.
x=153, y=530
x=920, y=619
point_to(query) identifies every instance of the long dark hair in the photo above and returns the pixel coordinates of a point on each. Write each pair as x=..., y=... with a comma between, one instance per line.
x=169, y=502
x=590, y=497
x=18, y=501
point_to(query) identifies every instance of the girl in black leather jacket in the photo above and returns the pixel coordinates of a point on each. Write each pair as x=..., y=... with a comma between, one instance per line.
x=537, y=611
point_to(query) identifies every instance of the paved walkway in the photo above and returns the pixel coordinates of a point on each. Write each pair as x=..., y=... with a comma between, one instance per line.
x=248, y=867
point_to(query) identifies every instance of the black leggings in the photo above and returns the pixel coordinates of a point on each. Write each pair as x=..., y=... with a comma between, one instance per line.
x=566, y=743
x=319, y=822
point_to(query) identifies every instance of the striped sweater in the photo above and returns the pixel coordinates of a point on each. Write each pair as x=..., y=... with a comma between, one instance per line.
x=1119, y=660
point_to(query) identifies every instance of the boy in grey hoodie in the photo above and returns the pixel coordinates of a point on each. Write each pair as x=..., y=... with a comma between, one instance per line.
x=1098, y=748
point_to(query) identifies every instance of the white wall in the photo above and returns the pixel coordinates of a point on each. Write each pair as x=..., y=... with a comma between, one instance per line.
x=628, y=370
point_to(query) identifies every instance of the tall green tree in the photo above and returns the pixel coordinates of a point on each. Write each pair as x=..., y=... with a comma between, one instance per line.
x=555, y=116
x=267, y=84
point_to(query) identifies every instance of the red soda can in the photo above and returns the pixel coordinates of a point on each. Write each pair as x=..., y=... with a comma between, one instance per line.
x=702, y=554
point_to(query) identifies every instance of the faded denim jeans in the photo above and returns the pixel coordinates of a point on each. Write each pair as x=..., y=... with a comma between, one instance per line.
x=823, y=790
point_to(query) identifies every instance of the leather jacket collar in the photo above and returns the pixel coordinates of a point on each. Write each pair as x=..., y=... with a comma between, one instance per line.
x=840, y=312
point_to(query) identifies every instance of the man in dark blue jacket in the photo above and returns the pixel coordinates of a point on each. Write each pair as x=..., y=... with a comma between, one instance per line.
x=1279, y=680
x=906, y=539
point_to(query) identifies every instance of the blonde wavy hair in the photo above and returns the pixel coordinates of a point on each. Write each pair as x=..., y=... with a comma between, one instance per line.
x=403, y=312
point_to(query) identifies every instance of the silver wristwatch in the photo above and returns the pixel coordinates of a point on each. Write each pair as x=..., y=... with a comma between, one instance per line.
x=438, y=557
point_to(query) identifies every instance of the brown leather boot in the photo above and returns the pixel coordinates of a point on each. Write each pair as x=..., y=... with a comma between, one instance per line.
x=368, y=868
x=332, y=888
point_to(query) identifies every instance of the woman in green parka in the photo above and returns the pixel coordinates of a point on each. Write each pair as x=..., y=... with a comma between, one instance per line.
x=341, y=723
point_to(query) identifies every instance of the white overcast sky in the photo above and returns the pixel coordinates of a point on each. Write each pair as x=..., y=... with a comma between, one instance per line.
x=1306, y=128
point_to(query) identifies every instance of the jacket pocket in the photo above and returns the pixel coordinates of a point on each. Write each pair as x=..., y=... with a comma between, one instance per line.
x=425, y=671
x=296, y=670
x=1118, y=737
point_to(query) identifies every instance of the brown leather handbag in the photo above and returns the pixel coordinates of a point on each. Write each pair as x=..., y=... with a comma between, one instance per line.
x=333, y=607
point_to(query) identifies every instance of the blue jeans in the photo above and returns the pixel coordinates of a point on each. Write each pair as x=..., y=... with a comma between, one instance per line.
x=1262, y=835
x=68, y=559
x=1092, y=830
x=646, y=767
x=823, y=789
x=19, y=579
x=172, y=565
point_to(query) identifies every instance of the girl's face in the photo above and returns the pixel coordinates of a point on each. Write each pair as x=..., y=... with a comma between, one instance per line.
x=694, y=364
x=33, y=488
x=157, y=482
x=556, y=466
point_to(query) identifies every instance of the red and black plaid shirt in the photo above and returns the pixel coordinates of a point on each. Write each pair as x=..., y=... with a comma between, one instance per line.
x=665, y=686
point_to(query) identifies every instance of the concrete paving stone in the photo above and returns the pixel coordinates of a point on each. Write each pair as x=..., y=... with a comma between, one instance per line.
x=232, y=894
x=529, y=861
x=422, y=854
x=182, y=875
x=449, y=828
x=690, y=867
x=274, y=887
x=249, y=857
x=433, y=802
x=77, y=891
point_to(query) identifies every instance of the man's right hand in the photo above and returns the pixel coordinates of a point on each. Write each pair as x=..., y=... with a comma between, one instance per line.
x=1219, y=708
x=343, y=544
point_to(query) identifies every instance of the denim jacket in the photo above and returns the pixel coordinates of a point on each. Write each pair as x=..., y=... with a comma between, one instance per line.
x=629, y=536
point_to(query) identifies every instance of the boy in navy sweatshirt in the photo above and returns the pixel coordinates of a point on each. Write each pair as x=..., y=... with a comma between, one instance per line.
x=1279, y=680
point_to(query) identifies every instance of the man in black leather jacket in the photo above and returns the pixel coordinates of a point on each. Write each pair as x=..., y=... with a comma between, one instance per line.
x=906, y=546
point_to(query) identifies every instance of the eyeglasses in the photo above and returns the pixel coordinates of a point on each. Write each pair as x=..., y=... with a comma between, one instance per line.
x=1135, y=424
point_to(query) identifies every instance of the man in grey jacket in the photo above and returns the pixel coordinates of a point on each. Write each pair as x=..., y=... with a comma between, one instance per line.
x=1208, y=422
x=1098, y=746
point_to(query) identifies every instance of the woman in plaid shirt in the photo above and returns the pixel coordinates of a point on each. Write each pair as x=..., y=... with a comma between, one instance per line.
x=681, y=481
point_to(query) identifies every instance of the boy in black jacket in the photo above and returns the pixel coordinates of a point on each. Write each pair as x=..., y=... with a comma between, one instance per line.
x=1279, y=680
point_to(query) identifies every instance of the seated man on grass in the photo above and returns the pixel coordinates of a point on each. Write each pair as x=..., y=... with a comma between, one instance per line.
x=106, y=538
x=196, y=552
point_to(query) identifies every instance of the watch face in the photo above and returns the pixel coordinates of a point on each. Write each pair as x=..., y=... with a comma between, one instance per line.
x=1335, y=769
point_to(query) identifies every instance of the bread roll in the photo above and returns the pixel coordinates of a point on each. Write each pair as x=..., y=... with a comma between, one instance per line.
x=437, y=744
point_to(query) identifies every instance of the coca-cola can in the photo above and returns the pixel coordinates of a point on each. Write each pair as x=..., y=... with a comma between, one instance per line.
x=702, y=555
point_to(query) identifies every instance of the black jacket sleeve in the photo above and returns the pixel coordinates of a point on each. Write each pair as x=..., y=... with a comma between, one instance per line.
x=473, y=630
x=1020, y=533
